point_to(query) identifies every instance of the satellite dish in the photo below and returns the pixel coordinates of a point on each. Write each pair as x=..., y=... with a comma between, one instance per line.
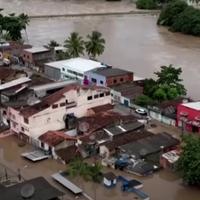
x=27, y=191
x=83, y=127
x=92, y=137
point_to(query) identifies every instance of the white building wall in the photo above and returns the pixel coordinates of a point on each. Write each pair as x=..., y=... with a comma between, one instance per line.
x=53, y=119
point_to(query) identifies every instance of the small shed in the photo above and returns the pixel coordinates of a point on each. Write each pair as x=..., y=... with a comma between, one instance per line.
x=109, y=179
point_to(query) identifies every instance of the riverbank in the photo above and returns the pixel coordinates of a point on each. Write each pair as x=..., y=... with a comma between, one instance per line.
x=71, y=8
x=135, y=12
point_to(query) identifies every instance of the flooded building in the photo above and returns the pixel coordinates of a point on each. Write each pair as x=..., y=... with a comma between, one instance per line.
x=55, y=111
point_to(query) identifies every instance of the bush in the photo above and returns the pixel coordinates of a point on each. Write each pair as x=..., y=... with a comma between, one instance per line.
x=188, y=22
x=170, y=12
x=146, y=4
x=143, y=101
x=180, y=18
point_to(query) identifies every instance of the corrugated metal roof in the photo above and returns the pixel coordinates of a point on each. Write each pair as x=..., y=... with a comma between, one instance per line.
x=80, y=65
x=36, y=49
x=66, y=183
x=14, y=83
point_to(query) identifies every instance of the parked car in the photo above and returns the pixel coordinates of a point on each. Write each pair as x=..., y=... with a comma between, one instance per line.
x=141, y=111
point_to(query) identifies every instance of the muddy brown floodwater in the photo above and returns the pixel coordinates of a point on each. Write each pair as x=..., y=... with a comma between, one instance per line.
x=163, y=185
x=133, y=42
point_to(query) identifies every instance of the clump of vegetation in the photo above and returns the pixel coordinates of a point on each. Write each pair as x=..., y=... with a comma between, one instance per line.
x=167, y=86
x=146, y=4
x=89, y=172
x=11, y=25
x=189, y=163
x=180, y=18
x=143, y=100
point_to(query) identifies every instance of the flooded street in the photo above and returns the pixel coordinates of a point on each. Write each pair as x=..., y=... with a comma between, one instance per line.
x=161, y=186
x=133, y=42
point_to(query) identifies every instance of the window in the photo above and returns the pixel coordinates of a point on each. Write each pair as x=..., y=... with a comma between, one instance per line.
x=107, y=93
x=26, y=120
x=27, y=56
x=101, y=95
x=96, y=96
x=66, y=101
x=101, y=82
x=111, y=94
x=63, y=69
x=121, y=79
x=89, y=98
x=24, y=55
x=79, y=74
x=94, y=80
x=22, y=128
x=62, y=104
x=42, y=144
x=54, y=106
x=115, y=81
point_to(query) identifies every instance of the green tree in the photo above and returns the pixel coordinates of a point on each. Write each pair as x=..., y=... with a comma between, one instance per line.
x=189, y=161
x=95, y=45
x=188, y=22
x=160, y=95
x=74, y=45
x=170, y=76
x=146, y=4
x=13, y=25
x=150, y=86
x=143, y=100
x=89, y=172
x=170, y=12
x=62, y=55
x=24, y=20
x=53, y=44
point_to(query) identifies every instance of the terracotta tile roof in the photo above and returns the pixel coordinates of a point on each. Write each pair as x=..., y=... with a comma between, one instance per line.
x=102, y=108
x=53, y=138
x=6, y=73
x=49, y=100
x=129, y=90
x=127, y=138
x=68, y=153
x=103, y=119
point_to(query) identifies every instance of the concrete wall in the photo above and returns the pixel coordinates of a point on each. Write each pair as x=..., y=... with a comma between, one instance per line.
x=115, y=80
x=52, y=73
x=116, y=96
x=91, y=75
x=162, y=118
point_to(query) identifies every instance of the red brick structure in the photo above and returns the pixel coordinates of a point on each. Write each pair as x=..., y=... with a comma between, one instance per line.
x=109, y=76
x=37, y=56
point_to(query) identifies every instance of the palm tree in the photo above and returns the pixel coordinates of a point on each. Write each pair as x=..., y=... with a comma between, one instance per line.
x=53, y=43
x=74, y=45
x=95, y=44
x=24, y=20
